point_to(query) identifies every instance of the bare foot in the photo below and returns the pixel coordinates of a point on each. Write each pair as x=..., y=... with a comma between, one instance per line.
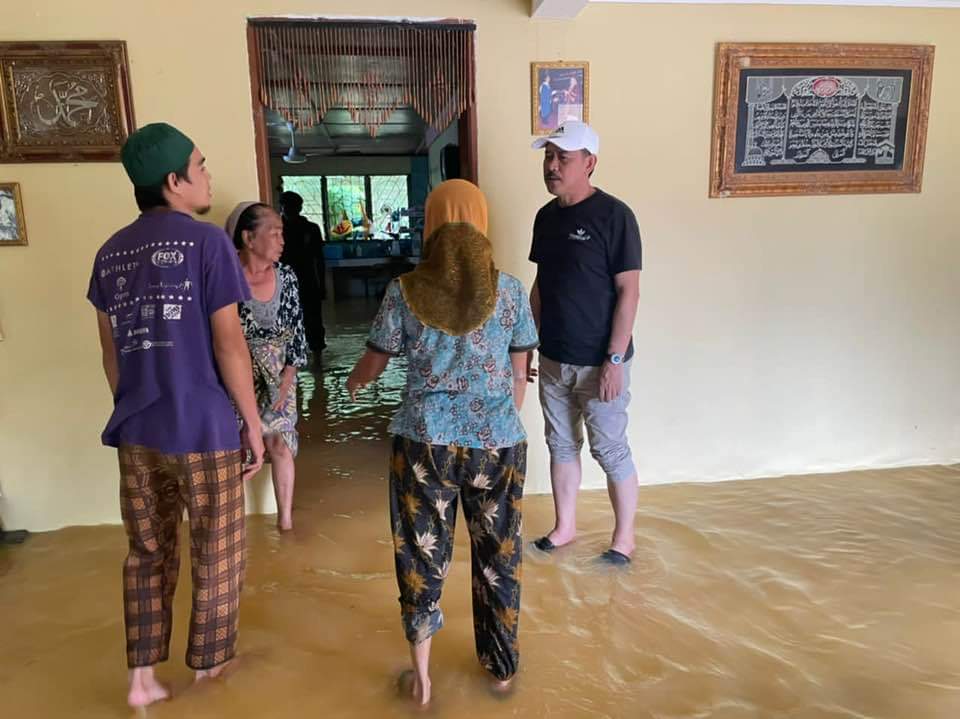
x=145, y=689
x=501, y=687
x=285, y=526
x=408, y=684
x=214, y=672
x=625, y=545
x=560, y=538
x=421, y=691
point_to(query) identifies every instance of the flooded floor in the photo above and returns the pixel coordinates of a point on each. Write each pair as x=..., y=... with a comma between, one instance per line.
x=822, y=597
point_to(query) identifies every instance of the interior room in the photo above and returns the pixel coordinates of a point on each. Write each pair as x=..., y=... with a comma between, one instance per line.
x=793, y=432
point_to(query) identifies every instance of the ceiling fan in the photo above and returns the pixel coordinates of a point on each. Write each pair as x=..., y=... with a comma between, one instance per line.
x=293, y=156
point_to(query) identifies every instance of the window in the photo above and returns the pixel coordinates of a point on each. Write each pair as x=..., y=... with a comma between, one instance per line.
x=344, y=205
x=311, y=190
x=390, y=203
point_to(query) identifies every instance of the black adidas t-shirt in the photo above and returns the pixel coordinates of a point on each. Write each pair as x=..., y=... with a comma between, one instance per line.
x=578, y=251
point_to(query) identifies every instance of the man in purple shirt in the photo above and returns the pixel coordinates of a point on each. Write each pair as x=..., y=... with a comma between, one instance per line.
x=166, y=290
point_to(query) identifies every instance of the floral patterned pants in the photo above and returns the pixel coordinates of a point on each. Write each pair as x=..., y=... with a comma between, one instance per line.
x=426, y=484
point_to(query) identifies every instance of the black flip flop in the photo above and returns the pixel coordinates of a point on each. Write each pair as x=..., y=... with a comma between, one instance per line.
x=544, y=544
x=615, y=558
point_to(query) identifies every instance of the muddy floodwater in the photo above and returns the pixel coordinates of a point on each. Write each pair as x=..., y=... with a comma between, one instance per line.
x=822, y=597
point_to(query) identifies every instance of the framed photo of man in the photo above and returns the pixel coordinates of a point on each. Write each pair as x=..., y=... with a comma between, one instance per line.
x=13, y=228
x=559, y=91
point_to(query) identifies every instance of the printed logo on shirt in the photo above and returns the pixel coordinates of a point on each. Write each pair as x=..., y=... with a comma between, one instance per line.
x=148, y=312
x=121, y=281
x=165, y=259
x=164, y=286
x=113, y=321
x=113, y=269
x=579, y=236
x=172, y=312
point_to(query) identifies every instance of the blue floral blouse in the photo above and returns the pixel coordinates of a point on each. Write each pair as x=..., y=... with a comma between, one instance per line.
x=459, y=389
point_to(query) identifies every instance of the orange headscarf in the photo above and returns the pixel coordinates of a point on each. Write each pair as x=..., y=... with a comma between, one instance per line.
x=454, y=288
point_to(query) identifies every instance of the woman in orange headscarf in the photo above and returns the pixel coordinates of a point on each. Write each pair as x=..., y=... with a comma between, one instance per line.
x=464, y=328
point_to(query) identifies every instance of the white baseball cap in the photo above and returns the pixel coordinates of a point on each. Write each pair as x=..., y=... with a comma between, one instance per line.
x=571, y=135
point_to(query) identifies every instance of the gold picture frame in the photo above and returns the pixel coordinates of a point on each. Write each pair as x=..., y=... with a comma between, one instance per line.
x=68, y=101
x=559, y=91
x=819, y=119
x=13, y=226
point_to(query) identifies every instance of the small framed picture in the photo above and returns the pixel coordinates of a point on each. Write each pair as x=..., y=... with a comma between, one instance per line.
x=13, y=228
x=559, y=91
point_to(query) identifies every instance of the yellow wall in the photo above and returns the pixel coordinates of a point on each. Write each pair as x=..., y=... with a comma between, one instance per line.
x=775, y=335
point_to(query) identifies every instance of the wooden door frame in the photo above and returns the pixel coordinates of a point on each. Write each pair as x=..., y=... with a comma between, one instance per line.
x=467, y=130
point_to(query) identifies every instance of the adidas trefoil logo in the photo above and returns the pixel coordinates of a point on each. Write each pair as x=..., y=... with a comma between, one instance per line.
x=579, y=236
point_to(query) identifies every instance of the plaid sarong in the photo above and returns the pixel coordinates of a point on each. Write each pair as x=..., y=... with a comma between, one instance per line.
x=154, y=490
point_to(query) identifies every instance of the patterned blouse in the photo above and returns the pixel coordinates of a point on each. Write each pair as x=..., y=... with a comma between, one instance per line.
x=459, y=389
x=287, y=327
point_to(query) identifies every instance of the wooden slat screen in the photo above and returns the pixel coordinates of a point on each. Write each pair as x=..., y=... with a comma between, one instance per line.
x=369, y=68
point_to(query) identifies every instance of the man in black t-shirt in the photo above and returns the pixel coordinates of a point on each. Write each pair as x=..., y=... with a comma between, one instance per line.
x=586, y=245
x=303, y=251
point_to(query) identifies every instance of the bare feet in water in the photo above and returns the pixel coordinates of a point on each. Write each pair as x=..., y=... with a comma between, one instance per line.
x=412, y=686
x=145, y=689
x=214, y=672
x=421, y=691
x=501, y=687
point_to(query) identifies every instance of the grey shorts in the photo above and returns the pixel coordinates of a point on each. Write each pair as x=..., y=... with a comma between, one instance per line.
x=569, y=397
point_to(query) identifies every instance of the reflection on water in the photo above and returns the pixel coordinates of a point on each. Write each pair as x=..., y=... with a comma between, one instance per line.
x=821, y=597
x=344, y=420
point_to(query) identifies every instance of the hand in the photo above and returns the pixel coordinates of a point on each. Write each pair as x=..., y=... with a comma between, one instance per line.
x=611, y=381
x=251, y=436
x=532, y=372
x=354, y=385
x=286, y=384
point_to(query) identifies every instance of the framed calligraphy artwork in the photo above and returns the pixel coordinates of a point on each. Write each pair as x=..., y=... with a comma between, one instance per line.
x=794, y=119
x=64, y=101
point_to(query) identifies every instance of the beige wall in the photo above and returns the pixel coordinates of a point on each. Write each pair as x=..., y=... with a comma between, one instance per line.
x=775, y=335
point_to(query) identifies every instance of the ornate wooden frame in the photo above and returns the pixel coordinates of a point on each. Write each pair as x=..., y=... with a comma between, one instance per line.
x=535, y=68
x=83, y=86
x=733, y=57
x=14, y=188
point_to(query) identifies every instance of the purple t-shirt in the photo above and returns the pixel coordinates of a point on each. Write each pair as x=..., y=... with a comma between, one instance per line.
x=159, y=280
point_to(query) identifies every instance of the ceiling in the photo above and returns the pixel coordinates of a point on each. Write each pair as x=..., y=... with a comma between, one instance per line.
x=404, y=133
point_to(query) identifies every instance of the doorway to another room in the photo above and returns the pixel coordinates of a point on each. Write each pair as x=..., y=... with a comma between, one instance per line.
x=361, y=119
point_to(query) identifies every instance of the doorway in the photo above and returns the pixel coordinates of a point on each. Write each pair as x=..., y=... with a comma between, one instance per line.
x=361, y=119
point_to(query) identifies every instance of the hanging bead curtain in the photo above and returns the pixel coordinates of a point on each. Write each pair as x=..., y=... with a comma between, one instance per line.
x=369, y=68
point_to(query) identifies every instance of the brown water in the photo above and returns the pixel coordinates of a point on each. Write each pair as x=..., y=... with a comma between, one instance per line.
x=821, y=597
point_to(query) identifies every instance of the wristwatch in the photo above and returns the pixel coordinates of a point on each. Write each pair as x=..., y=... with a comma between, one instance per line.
x=615, y=358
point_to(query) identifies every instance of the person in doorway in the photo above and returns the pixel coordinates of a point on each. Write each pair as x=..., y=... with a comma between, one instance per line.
x=303, y=253
x=465, y=329
x=166, y=290
x=586, y=245
x=273, y=325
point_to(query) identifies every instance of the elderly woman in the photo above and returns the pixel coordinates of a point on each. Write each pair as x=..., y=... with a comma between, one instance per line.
x=464, y=328
x=273, y=325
